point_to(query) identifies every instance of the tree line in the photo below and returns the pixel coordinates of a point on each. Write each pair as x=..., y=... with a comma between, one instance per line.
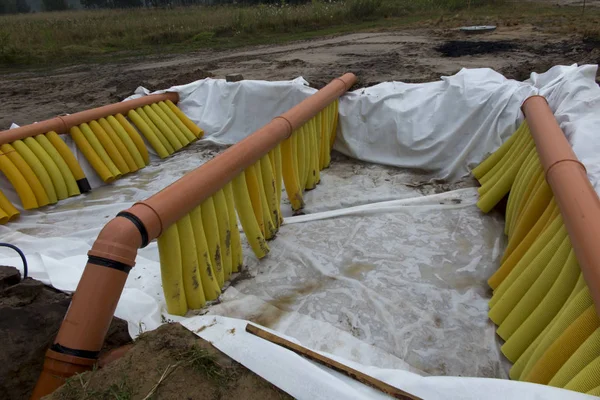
x=24, y=6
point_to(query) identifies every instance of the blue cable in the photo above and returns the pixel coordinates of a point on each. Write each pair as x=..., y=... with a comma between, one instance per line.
x=15, y=248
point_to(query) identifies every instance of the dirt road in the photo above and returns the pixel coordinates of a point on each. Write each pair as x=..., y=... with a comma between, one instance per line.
x=408, y=55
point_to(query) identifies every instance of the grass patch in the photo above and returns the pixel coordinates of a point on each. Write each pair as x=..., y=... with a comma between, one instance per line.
x=206, y=365
x=77, y=387
x=74, y=37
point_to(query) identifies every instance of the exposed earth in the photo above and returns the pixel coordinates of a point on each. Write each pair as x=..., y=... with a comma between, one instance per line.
x=170, y=363
x=409, y=56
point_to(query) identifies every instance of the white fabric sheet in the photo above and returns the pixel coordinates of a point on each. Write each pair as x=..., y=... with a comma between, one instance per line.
x=574, y=96
x=442, y=127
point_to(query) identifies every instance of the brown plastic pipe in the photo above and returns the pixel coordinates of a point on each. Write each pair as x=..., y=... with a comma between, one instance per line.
x=578, y=201
x=62, y=124
x=113, y=254
x=203, y=182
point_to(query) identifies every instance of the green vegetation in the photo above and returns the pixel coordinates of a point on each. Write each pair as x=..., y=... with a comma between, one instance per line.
x=77, y=387
x=71, y=37
x=206, y=364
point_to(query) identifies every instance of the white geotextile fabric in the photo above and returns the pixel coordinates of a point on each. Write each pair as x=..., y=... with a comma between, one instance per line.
x=307, y=380
x=394, y=289
x=574, y=96
x=443, y=127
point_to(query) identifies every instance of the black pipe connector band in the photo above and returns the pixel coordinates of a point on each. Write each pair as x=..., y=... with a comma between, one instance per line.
x=105, y=262
x=83, y=185
x=138, y=224
x=93, y=355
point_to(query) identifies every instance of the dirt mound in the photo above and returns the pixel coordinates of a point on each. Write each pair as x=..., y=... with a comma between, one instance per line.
x=170, y=363
x=30, y=315
x=459, y=48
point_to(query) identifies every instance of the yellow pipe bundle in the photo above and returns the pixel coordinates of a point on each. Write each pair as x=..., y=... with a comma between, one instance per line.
x=114, y=147
x=200, y=252
x=7, y=210
x=42, y=169
x=164, y=126
x=541, y=303
x=306, y=152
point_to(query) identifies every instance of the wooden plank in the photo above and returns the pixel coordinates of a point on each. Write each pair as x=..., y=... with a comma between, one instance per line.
x=336, y=366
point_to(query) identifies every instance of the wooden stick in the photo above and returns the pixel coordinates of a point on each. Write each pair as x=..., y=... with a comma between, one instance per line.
x=344, y=369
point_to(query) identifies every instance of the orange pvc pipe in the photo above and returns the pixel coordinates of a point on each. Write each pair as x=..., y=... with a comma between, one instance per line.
x=576, y=198
x=62, y=124
x=202, y=182
x=113, y=253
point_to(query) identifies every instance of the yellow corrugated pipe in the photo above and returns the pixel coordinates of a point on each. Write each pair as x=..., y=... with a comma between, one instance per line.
x=499, y=166
x=544, y=311
x=38, y=168
x=584, y=355
x=534, y=288
x=210, y=285
x=237, y=258
x=32, y=180
x=192, y=283
x=508, y=263
x=224, y=233
x=134, y=136
x=131, y=148
x=519, y=286
x=100, y=151
x=169, y=249
x=587, y=379
x=90, y=154
x=180, y=125
x=269, y=224
x=541, y=301
x=56, y=178
x=157, y=133
x=183, y=139
x=534, y=251
x=65, y=153
x=254, y=191
x=246, y=213
x=109, y=148
x=522, y=363
x=120, y=146
x=563, y=347
x=500, y=186
x=184, y=119
x=65, y=172
x=490, y=162
x=563, y=320
x=201, y=251
x=530, y=167
x=163, y=128
x=290, y=173
x=213, y=237
x=149, y=133
x=8, y=210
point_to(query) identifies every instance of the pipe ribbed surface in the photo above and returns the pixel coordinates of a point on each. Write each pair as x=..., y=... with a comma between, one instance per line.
x=574, y=194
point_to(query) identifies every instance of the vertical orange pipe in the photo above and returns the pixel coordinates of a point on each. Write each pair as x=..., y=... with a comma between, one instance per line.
x=113, y=253
x=574, y=194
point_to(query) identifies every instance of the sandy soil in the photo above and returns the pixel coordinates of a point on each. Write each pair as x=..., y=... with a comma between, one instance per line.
x=409, y=56
x=170, y=363
x=30, y=315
